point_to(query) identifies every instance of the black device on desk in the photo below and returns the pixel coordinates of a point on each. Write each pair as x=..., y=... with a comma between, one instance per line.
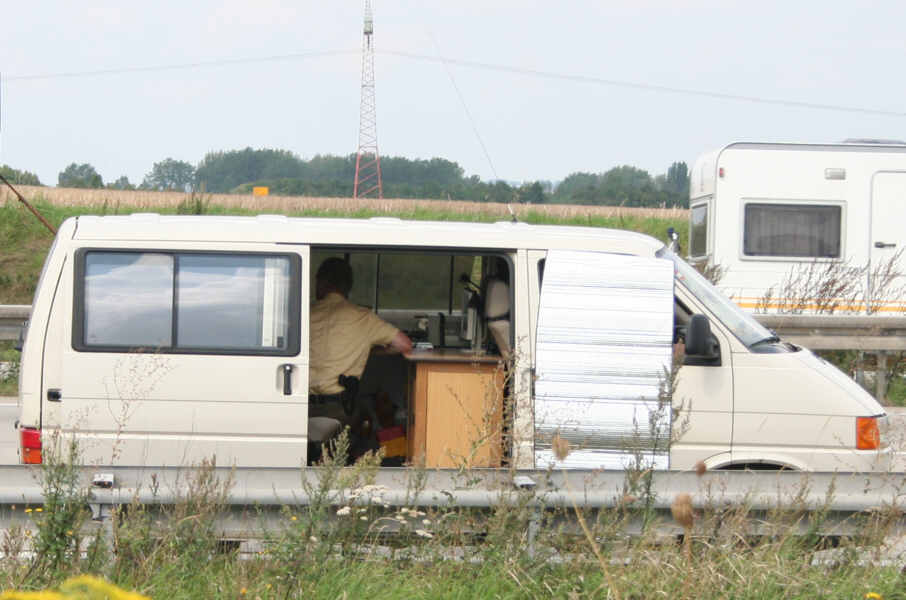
x=430, y=329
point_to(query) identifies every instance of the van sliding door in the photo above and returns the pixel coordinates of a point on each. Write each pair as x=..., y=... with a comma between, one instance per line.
x=190, y=354
x=603, y=351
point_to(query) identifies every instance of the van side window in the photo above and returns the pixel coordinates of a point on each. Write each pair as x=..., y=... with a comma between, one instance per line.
x=801, y=230
x=128, y=299
x=186, y=302
x=422, y=281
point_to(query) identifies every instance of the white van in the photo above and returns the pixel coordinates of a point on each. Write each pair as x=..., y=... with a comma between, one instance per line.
x=163, y=340
x=778, y=220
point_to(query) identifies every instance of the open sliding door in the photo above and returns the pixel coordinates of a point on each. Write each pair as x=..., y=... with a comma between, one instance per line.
x=603, y=350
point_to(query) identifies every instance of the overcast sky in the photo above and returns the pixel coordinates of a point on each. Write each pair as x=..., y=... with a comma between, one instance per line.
x=512, y=90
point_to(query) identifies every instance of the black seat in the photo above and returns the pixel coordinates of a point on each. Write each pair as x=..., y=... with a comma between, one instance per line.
x=321, y=430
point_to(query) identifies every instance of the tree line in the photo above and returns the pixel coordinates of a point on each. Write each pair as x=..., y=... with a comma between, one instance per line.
x=285, y=173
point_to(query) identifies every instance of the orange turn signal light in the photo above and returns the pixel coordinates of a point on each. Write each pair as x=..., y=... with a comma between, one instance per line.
x=868, y=437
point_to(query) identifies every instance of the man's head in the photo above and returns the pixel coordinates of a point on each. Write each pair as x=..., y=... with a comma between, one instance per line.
x=334, y=275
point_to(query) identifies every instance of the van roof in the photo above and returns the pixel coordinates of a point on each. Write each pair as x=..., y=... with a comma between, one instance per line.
x=378, y=231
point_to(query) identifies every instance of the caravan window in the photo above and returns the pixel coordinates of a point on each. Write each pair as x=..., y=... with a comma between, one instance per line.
x=187, y=302
x=800, y=230
x=698, y=231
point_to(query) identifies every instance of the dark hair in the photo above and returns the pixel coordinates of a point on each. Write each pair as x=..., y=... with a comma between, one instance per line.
x=337, y=273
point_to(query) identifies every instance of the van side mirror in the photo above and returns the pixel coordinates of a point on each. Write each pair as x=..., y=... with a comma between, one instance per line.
x=673, y=243
x=701, y=346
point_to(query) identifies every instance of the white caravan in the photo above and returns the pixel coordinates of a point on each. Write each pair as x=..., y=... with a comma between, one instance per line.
x=165, y=340
x=782, y=220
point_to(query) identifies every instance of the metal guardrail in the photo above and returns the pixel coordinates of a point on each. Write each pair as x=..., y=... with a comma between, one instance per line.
x=839, y=332
x=12, y=317
x=257, y=494
x=398, y=486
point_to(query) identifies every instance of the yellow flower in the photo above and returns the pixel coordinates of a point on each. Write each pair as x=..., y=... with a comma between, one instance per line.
x=100, y=587
x=39, y=509
x=292, y=518
x=873, y=596
x=83, y=586
x=242, y=592
x=268, y=586
x=28, y=510
x=69, y=532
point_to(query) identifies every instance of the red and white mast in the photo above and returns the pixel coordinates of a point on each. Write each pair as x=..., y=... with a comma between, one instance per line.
x=367, y=160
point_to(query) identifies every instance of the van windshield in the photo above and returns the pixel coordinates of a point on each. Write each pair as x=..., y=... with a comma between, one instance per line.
x=741, y=324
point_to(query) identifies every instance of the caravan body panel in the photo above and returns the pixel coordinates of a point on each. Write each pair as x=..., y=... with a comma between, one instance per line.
x=775, y=218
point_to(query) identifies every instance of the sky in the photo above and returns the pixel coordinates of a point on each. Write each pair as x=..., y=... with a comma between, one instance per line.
x=519, y=91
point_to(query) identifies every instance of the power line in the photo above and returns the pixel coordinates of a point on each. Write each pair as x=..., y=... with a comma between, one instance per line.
x=182, y=66
x=642, y=86
x=465, y=107
x=471, y=64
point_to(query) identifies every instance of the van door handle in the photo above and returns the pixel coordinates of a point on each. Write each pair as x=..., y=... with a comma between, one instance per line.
x=287, y=379
x=884, y=245
x=54, y=395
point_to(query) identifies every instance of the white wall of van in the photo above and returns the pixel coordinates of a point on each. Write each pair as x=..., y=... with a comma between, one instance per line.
x=167, y=340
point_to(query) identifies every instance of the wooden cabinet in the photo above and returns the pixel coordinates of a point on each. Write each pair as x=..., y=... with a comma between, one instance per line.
x=455, y=409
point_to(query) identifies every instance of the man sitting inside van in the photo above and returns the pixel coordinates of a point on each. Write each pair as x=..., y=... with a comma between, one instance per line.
x=342, y=335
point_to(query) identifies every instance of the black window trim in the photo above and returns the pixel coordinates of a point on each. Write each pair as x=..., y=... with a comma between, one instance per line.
x=295, y=305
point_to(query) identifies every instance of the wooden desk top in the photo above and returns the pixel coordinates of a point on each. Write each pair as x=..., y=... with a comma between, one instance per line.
x=451, y=355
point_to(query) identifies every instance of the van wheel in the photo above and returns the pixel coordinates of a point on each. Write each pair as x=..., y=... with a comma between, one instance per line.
x=754, y=467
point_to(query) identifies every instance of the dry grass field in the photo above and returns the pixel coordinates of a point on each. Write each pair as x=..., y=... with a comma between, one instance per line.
x=69, y=197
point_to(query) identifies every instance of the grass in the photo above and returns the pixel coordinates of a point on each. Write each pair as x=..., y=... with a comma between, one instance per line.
x=8, y=354
x=896, y=391
x=159, y=201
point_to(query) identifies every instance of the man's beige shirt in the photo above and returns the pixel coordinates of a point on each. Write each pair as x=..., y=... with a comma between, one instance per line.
x=342, y=335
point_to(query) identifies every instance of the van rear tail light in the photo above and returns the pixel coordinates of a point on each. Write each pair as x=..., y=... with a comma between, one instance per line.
x=868, y=437
x=31, y=445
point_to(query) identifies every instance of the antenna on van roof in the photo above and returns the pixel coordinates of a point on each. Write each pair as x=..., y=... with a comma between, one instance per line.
x=512, y=214
x=27, y=205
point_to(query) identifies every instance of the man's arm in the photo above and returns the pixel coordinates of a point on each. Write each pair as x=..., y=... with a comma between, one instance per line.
x=400, y=344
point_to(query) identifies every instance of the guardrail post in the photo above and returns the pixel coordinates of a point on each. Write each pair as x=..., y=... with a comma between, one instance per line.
x=101, y=513
x=859, y=374
x=527, y=485
x=534, y=525
x=881, y=376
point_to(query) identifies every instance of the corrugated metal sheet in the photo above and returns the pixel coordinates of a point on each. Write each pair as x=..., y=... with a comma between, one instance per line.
x=604, y=349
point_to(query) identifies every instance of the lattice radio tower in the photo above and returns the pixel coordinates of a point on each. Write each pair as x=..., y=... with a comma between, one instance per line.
x=367, y=160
